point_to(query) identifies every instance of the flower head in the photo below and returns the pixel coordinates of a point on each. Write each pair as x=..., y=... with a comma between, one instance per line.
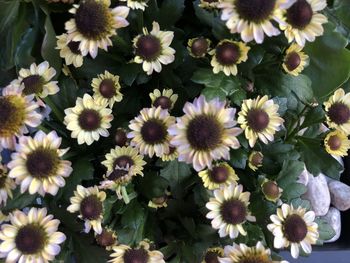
x=152, y=49
x=17, y=111
x=94, y=24
x=271, y=190
x=89, y=203
x=227, y=55
x=205, y=133
x=160, y=201
x=294, y=227
x=136, y=4
x=88, y=120
x=259, y=119
x=171, y=155
x=69, y=50
x=212, y=255
x=229, y=210
x=6, y=184
x=294, y=60
x=255, y=160
x=107, y=238
x=198, y=47
x=165, y=99
x=30, y=237
x=337, y=143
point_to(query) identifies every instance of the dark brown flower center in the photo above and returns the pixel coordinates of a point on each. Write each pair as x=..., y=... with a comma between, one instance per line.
x=7, y=110
x=120, y=138
x=255, y=10
x=257, y=159
x=117, y=174
x=271, y=190
x=153, y=132
x=89, y=120
x=164, y=102
x=42, y=163
x=234, y=212
x=107, y=88
x=74, y=47
x=32, y=85
x=160, y=200
x=199, y=47
x=30, y=239
x=339, y=113
x=204, y=132
x=136, y=256
x=258, y=120
x=92, y=19
x=227, y=53
x=334, y=142
x=12, y=115
x=219, y=174
x=292, y=61
x=148, y=47
x=295, y=228
x=106, y=238
x=91, y=207
x=2, y=179
x=123, y=161
x=299, y=15
x=211, y=257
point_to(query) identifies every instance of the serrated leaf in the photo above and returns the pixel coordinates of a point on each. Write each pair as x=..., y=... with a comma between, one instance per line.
x=19, y=201
x=293, y=190
x=290, y=173
x=325, y=231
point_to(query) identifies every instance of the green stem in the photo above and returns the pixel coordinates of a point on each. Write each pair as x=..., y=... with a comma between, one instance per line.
x=296, y=124
x=59, y=115
x=125, y=195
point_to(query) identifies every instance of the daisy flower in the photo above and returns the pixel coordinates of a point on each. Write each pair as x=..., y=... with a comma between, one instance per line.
x=229, y=210
x=69, y=50
x=107, y=238
x=16, y=112
x=338, y=111
x=136, y=4
x=30, y=237
x=227, y=55
x=165, y=99
x=271, y=191
x=120, y=137
x=294, y=227
x=253, y=19
x=303, y=22
x=255, y=160
x=242, y=253
x=219, y=175
x=259, y=119
x=37, y=164
x=198, y=47
x=149, y=131
x=171, y=155
x=89, y=203
x=6, y=184
x=94, y=24
x=37, y=80
x=337, y=143
x=152, y=49
x=205, y=133
x=160, y=201
x=88, y=120
x=208, y=4
x=141, y=253
x=294, y=60
x=106, y=89
x=212, y=255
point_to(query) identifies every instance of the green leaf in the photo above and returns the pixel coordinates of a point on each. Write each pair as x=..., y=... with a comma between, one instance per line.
x=329, y=62
x=175, y=172
x=341, y=9
x=298, y=202
x=289, y=174
x=8, y=13
x=293, y=191
x=238, y=158
x=170, y=12
x=19, y=201
x=86, y=252
x=325, y=231
x=316, y=159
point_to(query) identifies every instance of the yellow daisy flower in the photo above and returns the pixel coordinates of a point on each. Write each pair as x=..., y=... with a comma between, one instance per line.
x=303, y=22
x=337, y=143
x=227, y=55
x=229, y=210
x=259, y=119
x=205, y=133
x=88, y=120
x=106, y=89
x=37, y=164
x=107, y=238
x=94, y=24
x=160, y=201
x=16, y=112
x=149, y=131
x=89, y=203
x=338, y=111
x=294, y=60
x=165, y=99
x=253, y=19
x=141, y=253
x=198, y=47
x=31, y=237
x=69, y=50
x=294, y=227
x=255, y=160
x=220, y=174
x=242, y=253
x=6, y=184
x=212, y=255
x=136, y=4
x=271, y=191
x=152, y=49
x=37, y=80
x=171, y=156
